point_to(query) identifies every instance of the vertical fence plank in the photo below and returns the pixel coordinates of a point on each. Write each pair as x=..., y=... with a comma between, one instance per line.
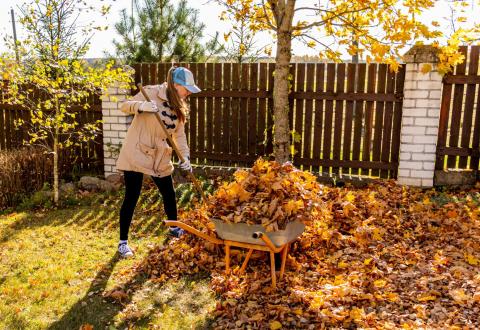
x=201, y=111
x=209, y=113
x=397, y=120
x=262, y=113
x=367, y=137
x=269, y=128
x=145, y=74
x=456, y=110
x=387, y=123
x=217, y=112
x=327, y=137
x=379, y=107
x=253, y=111
x=154, y=80
x=162, y=73
x=357, y=130
x=307, y=135
x=192, y=123
x=227, y=112
x=299, y=113
x=338, y=127
x=469, y=104
x=318, y=120
x=476, y=136
x=243, y=120
x=347, y=135
x=235, y=143
x=443, y=124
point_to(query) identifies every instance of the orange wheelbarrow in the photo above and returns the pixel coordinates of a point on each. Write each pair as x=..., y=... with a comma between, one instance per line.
x=251, y=237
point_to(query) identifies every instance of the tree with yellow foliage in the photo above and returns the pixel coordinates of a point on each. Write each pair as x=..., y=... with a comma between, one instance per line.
x=380, y=28
x=51, y=80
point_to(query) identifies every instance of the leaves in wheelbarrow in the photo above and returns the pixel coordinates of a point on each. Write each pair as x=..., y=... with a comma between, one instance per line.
x=269, y=194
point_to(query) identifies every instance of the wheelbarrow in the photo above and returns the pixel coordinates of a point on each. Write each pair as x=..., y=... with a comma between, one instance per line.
x=251, y=237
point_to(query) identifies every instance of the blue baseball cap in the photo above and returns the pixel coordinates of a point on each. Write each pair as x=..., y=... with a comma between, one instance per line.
x=184, y=77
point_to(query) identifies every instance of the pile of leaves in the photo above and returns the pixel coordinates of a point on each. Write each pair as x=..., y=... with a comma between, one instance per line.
x=268, y=194
x=385, y=257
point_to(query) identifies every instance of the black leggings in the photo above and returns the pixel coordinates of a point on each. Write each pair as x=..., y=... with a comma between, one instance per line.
x=133, y=186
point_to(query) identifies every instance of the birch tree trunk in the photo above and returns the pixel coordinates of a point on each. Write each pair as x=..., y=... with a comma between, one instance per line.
x=283, y=13
x=56, y=194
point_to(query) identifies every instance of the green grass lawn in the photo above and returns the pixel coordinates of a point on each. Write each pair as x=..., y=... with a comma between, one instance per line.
x=55, y=266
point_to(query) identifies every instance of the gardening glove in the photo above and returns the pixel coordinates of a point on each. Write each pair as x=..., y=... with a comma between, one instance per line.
x=148, y=107
x=186, y=166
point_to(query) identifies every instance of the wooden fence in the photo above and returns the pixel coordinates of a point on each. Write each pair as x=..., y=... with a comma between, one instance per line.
x=459, y=127
x=345, y=117
x=87, y=158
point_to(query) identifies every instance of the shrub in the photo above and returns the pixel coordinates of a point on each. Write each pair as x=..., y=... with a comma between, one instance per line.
x=22, y=172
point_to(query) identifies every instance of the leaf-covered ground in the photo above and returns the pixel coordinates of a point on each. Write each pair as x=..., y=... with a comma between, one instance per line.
x=57, y=264
x=378, y=257
x=385, y=256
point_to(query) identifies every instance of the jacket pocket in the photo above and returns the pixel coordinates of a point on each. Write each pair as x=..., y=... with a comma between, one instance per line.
x=145, y=156
x=163, y=162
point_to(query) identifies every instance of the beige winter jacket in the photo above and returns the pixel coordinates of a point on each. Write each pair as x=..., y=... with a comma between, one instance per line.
x=145, y=147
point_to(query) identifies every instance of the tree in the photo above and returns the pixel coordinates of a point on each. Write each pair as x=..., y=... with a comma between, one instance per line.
x=241, y=44
x=158, y=31
x=380, y=29
x=51, y=81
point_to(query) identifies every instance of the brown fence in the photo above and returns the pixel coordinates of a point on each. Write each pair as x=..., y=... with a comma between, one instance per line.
x=345, y=117
x=87, y=158
x=459, y=127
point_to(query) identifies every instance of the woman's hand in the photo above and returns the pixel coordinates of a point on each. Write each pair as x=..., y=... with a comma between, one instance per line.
x=148, y=107
x=186, y=166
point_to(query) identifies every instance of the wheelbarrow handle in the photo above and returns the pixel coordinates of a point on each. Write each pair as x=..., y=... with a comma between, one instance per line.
x=268, y=242
x=191, y=230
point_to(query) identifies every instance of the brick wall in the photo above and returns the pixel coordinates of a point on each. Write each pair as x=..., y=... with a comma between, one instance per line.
x=115, y=125
x=420, y=118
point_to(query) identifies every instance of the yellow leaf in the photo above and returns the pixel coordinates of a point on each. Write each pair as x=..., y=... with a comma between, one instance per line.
x=380, y=283
x=426, y=68
x=367, y=261
x=459, y=295
x=357, y=314
x=342, y=264
x=471, y=259
x=350, y=197
x=426, y=297
x=275, y=325
x=391, y=296
x=293, y=206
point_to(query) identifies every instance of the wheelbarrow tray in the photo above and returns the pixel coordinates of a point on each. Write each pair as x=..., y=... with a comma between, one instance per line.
x=242, y=232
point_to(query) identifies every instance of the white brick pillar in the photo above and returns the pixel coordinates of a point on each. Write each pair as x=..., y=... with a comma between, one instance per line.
x=420, y=118
x=115, y=125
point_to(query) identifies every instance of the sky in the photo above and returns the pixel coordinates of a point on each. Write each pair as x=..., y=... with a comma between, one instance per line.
x=209, y=13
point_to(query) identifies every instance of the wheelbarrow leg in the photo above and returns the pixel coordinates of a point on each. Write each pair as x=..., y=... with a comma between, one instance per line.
x=284, y=259
x=272, y=269
x=227, y=258
x=245, y=262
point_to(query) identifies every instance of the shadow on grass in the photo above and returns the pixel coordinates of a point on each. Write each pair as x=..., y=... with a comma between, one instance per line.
x=93, y=309
x=95, y=216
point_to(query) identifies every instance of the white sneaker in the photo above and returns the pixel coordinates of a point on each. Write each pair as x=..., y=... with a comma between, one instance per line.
x=124, y=250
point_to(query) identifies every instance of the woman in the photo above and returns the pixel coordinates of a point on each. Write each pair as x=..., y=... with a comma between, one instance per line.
x=145, y=149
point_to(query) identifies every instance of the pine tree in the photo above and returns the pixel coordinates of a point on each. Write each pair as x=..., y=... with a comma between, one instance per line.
x=158, y=31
